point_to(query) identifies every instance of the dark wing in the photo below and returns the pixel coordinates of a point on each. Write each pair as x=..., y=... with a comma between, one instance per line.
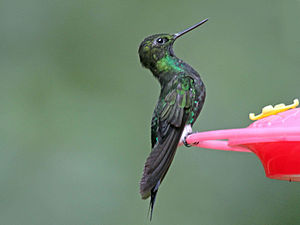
x=167, y=126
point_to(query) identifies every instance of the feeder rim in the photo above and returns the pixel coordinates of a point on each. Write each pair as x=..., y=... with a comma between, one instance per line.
x=235, y=137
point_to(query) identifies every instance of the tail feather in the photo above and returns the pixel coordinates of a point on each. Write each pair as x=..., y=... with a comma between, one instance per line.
x=153, y=175
x=152, y=200
x=158, y=163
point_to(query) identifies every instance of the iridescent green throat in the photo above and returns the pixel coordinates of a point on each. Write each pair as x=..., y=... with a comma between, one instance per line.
x=168, y=63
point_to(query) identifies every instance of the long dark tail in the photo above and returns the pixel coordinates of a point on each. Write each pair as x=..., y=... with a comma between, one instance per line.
x=158, y=163
x=154, y=191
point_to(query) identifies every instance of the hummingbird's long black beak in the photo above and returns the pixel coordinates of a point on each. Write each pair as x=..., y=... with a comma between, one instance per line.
x=179, y=34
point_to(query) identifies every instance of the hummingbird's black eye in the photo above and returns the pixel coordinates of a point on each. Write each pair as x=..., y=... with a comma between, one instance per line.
x=160, y=40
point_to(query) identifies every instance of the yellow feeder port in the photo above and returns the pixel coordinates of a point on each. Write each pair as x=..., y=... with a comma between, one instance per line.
x=270, y=110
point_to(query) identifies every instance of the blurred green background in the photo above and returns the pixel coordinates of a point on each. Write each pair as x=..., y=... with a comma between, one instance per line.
x=75, y=110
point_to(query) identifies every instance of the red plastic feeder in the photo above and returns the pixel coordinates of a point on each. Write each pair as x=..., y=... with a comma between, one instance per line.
x=274, y=139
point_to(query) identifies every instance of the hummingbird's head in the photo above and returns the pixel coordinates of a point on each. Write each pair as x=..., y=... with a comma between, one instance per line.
x=154, y=48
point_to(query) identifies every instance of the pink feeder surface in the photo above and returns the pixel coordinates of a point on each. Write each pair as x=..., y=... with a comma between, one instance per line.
x=274, y=139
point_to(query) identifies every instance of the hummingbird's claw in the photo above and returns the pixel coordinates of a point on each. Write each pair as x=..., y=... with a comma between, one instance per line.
x=184, y=141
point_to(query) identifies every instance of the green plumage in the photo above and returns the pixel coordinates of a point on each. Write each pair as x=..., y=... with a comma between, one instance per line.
x=180, y=102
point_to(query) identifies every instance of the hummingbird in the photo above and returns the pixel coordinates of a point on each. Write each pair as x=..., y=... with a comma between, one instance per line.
x=181, y=99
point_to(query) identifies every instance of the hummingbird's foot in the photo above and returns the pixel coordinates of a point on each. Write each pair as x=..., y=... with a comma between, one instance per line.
x=185, y=142
x=186, y=132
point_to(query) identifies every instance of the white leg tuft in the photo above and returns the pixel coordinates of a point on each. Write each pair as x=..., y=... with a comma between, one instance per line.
x=187, y=130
